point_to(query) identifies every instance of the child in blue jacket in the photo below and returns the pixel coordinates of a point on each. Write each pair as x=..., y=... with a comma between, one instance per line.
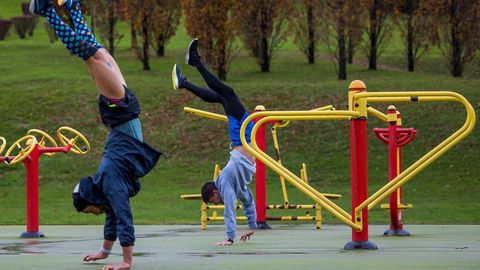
x=232, y=183
x=126, y=157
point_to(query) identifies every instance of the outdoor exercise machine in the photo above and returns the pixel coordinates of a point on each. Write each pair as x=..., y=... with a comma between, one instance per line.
x=28, y=150
x=260, y=183
x=395, y=137
x=359, y=101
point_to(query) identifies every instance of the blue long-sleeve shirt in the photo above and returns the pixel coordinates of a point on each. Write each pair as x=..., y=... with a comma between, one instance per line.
x=232, y=183
x=125, y=160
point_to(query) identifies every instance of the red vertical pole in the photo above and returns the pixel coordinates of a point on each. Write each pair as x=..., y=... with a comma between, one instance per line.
x=359, y=186
x=358, y=167
x=261, y=176
x=394, y=169
x=392, y=164
x=31, y=164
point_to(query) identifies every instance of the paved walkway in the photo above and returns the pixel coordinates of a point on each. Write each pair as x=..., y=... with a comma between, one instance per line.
x=284, y=247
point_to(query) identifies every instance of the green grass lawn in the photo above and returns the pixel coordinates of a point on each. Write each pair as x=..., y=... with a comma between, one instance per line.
x=42, y=86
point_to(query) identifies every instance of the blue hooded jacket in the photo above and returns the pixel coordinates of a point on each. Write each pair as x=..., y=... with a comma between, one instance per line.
x=125, y=160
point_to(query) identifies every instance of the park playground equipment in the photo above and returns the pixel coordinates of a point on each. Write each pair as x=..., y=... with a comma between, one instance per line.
x=395, y=137
x=30, y=148
x=359, y=101
x=260, y=176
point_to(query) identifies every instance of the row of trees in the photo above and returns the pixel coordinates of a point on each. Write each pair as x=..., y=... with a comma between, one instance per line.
x=344, y=26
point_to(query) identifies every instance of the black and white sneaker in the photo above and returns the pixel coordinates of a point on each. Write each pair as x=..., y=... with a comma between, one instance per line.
x=178, y=78
x=192, y=53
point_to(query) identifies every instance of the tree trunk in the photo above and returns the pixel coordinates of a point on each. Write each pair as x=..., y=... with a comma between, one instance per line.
x=265, y=59
x=161, y=46
x=372, y=61
x=92, y=19
x=222, y=74
x=410, y=54
x=456, y=67
x=351, y=48
x=111, y=27
x=456, y=57
x=146, y=45
x=161, y=51
x=133, y=36
x=342, y=56
x=311, y=36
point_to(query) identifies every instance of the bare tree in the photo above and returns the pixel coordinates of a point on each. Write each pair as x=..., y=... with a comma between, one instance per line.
x=458, y=31
x=378, y=28
x=105, y=14
x=142, y=22
x=305, y=23
x=335, y=29
x=415, y=23
x=167, y=18
x=261, y=26
x=355, y=21
x=211, y=22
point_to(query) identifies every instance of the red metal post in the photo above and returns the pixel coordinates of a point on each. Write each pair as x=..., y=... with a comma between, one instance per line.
x=261, y=176
x=31, y=164
x=396, y=137
x=392, y=165
x=359, y=181
x=358, y=168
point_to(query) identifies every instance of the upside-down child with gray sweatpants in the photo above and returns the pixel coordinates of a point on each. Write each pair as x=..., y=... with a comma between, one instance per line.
x=232, y=182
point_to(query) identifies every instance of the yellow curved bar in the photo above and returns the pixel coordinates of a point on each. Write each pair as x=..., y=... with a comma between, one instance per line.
x=3, y=143
x=279, y=169
x=206, y=114
x=433, y=154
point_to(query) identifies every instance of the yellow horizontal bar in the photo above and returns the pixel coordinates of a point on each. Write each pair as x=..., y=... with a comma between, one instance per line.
x=383, y=117
x=324, y=108
x=283, y=218
x=409, y=99
x=221, y=218
x=296, y=206
x=206, y=114
x=400, y=206
x=191, y=196
x=215, y=207
x=283, y=124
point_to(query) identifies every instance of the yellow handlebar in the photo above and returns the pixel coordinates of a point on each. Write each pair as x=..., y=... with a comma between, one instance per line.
x=43, y=138
x=25, y=150
x=3, y=142
x=66, y=141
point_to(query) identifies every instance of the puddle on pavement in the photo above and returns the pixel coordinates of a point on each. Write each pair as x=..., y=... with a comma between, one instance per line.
x=247, y=253
x=17, y=249
x=143, y=254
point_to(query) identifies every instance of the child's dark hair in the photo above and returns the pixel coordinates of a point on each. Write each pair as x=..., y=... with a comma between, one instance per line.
x=79, y=203
x=207, y=191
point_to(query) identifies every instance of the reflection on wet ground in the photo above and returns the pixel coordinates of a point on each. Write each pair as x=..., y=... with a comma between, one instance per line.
x=260, y=253
x=39, y=246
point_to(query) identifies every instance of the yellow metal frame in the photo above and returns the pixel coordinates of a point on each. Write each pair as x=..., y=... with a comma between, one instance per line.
x=432, y=155
x=359, y=104
x=297, y=182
